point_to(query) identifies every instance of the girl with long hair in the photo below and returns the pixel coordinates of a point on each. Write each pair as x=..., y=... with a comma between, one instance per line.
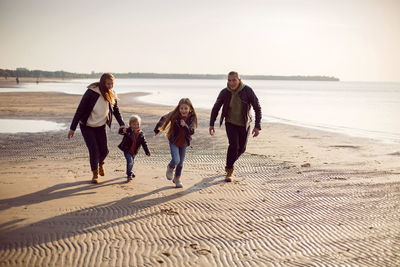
x=178, y=125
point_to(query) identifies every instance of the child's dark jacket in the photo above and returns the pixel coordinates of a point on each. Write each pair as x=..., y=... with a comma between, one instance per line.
x=188, y=128
x=127, y=141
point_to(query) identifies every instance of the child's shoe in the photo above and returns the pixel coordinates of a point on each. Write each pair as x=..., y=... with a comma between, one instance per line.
x=130, y=177
x=169, y=173
x=95, y=178
x=229, y=174
x=177, y=182
x=101, y=169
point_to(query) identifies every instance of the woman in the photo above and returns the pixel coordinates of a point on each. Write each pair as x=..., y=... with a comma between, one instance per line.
x=95, y=110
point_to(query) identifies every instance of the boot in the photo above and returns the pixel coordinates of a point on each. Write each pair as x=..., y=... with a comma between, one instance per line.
x=101, y=168
x=130, y=177
x=169, y=173
x=229, y=174
x=177, y=182
x=95, y=179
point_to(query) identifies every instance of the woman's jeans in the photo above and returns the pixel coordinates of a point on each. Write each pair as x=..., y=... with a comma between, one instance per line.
x=129, y=163
x=237, y=136
x=96, y=142
x=178, y=156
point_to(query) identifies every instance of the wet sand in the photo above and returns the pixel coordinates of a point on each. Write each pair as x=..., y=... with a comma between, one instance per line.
x=300, y=197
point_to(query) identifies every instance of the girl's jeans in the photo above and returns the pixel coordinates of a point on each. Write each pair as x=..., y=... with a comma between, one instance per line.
x=129, y=163
x=178, y=156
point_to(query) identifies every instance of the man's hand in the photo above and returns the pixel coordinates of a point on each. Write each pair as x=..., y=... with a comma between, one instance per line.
x=70, y=134
x=211, y=130
x=256, y=132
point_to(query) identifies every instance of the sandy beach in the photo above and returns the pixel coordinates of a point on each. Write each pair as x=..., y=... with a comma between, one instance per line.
x=300, y=197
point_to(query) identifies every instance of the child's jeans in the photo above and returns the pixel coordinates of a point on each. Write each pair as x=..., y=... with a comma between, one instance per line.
x=129, y=163
x=178, y=156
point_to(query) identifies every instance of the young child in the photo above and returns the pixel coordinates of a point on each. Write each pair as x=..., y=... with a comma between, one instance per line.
x=179, y=126
x=131, y=142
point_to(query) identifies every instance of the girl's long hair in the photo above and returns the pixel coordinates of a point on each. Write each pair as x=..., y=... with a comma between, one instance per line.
x=170, y=118
x=108, y=95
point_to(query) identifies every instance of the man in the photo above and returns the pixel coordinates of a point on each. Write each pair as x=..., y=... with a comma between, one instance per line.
x=236, y=99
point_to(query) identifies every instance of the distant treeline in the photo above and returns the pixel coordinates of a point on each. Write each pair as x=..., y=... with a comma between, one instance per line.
x=70, y=75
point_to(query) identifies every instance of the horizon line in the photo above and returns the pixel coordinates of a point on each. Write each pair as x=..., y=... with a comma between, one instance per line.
x=43, y=73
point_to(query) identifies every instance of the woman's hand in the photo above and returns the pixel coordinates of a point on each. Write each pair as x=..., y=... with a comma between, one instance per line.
x=123, y=129
x=211, y=130
x=70, y=134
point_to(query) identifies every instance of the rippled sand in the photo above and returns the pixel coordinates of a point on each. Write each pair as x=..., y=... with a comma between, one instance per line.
x=343, y=209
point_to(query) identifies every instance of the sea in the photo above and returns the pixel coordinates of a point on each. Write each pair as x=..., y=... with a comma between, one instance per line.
x=360, y=109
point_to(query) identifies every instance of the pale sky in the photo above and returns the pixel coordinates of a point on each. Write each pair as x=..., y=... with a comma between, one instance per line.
x=354, y=40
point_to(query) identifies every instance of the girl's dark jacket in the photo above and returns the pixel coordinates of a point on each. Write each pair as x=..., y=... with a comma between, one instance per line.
x=249, y=99
x=127, y=141
x=189, y=129
x=85, y=107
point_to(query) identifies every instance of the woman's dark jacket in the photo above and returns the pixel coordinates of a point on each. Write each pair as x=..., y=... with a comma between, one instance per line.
x=127, y=141
x=85, y=107
x=189, y=129
x=248, y=98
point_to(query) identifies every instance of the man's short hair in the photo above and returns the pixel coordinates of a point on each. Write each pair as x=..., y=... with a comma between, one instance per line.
x=234, y=73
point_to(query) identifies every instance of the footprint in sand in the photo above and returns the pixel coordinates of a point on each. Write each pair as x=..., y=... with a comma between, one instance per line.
x=166, y=253
x=168, y=212
x=198, y=250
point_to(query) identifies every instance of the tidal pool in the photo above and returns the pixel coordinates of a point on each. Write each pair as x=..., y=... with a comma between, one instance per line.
x=29, y=126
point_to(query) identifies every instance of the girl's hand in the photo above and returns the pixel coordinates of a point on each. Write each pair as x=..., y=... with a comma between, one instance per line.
x=149, y=154
x=155, y=134
x=183, y=123
x=70, y=134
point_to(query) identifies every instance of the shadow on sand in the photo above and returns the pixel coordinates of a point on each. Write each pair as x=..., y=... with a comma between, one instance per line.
x=89, y=219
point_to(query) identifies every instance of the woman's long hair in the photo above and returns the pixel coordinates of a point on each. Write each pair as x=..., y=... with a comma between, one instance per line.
x=108, y=95
x=170, y=118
